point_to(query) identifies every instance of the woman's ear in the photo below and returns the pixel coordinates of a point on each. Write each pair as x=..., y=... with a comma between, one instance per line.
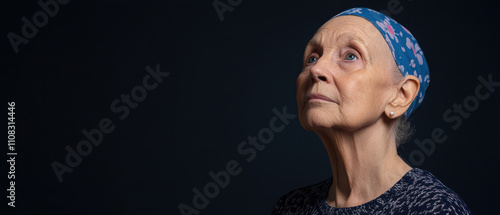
x=406, y=93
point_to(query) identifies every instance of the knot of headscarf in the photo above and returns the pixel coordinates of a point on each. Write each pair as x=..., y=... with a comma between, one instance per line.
x=404, y=47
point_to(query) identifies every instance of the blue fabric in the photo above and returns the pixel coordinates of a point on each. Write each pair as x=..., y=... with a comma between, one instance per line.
x=404, y=47
x=417, y=192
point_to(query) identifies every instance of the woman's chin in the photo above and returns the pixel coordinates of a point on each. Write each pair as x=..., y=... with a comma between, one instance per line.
x=317, y=119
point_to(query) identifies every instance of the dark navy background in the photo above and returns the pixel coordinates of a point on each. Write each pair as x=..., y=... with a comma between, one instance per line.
x=225, y=79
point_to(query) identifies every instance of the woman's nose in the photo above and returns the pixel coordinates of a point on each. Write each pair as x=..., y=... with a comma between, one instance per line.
x=323, y=78
x=320, y=72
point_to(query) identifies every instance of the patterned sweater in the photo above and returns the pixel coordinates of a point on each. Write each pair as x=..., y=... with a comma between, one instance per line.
x=417, y=192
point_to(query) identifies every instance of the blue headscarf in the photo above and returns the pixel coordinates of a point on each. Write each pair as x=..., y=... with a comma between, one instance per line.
x=404, y=47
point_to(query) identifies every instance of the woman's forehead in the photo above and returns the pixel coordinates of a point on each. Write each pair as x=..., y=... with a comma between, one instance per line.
x=345, y=28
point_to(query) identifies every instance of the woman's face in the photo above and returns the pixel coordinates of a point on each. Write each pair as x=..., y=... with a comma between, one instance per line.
x=346, y=79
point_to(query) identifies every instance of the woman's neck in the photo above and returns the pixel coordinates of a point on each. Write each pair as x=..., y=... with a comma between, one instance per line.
x=364, y=164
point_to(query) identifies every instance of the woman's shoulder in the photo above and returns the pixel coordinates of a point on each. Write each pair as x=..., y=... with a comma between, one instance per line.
x=302, y=199
x=424, y=192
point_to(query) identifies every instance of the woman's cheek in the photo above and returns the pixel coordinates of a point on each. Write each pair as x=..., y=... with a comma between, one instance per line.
x=349, y=66
x=301, y=86
x=303, y=79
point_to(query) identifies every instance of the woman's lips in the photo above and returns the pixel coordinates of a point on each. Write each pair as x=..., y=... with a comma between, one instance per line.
x=320, y=97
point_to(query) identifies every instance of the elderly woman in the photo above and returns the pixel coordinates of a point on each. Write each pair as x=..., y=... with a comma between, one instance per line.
x=363, y=75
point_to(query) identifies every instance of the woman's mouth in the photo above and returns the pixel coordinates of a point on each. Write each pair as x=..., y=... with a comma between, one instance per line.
x=319, y=97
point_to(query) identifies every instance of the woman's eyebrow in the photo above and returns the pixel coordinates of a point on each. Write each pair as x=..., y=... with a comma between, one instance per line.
x=313, y=43
x=350, y=38
x=344, y=37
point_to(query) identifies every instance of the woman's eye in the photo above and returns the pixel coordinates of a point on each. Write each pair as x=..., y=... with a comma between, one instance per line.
x=351, y=56
x=312, y=60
